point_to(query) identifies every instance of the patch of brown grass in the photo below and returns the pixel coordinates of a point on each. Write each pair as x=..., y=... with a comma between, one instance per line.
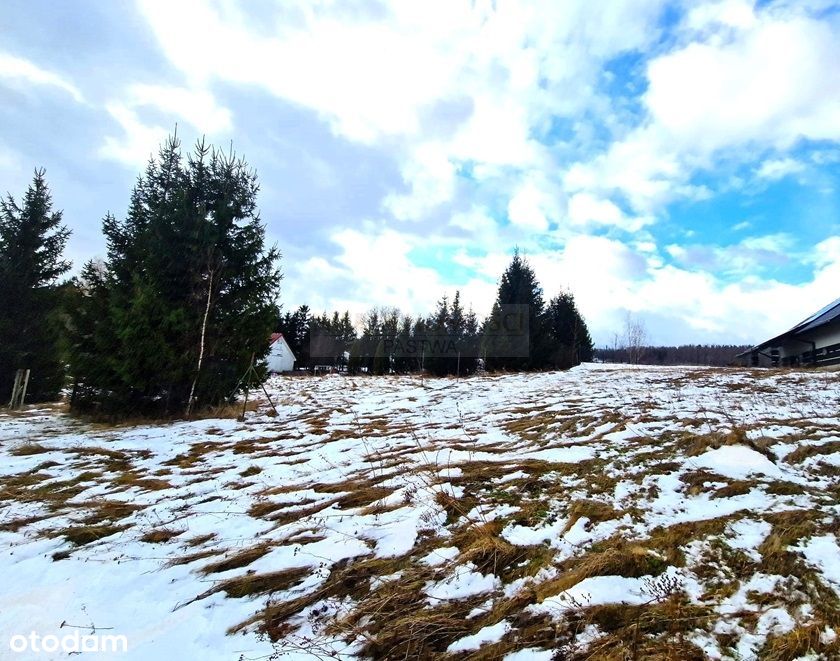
x=240, y=559
x=736, y=488
x=226, y=410
x=195, y=454
x=13, y=525
x=109, y=510
x=160, y=535
x=698, y=480
x=29, y=448
x=670, y=540
x=784, y=488
x=801, y=641
x=87, y=534
x=482, y=546
x=198, y=540
x=811, y=450
x=134, y=480
x=788, y=528
x=612, y=557
x=252, y=584
x=594, y=510
x=192, y=557
x=363, y=496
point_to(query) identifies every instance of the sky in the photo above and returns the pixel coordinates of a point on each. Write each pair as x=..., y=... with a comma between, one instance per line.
x=675, y=161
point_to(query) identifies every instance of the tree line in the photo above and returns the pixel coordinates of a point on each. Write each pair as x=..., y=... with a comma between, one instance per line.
x=712, y=355
x=186, y=298
x=521, y=332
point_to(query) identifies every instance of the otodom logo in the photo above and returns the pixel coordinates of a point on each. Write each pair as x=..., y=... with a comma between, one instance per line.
x=71, y=643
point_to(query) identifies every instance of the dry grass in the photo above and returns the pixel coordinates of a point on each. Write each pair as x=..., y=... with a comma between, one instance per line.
x=254, y=584
x=192, y=557
x=134, y=480
x=395, y=619
x=482, y=546
x=594, y=510
x=198, y=540
x=14, y=525
x=613, y=557
x=196, y=454
x=805, y=451
x=695, y=444
x=799, y=642
x=87, y=534
x=240, y=559
x=160, y=535
x=109, y=510
x=655, y=631
x=29, y=448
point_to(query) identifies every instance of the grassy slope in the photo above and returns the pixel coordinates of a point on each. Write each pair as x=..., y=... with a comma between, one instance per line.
x=607, y=512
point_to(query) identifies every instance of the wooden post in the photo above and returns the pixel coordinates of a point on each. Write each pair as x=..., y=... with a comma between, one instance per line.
x=23, y=391
x=274, y=408
x=14, y=390
x=247, y=386
x=19, y=389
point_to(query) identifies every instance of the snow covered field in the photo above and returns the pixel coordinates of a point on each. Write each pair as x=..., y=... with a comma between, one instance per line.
x=608, y=512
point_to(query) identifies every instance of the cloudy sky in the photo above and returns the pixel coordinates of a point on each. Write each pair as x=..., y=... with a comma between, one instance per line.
x=680, y=161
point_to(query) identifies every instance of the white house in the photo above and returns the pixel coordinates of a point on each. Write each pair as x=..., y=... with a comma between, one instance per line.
x=813, y=341
x=280, y=357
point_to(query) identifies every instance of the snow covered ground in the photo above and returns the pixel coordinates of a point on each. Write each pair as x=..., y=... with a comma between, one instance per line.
x=606, y=512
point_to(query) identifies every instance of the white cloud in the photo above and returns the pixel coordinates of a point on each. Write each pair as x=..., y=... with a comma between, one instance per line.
x=431, y=176
x=585, y=209
x=138, y=142
x=779, y=168
x=728, y=13
x=376, y=266
x=525, y=209
x=380, y=76
x=140, y=139
x=749, y=80
x=198, y=107
x=23, y=72
x=735, y=82
x=769, y=83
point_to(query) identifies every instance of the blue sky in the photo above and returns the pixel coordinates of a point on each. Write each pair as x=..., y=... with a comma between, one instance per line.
x=679, y=161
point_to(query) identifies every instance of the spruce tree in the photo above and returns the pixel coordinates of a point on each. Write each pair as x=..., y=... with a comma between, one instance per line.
x=518, y=307
x=405, y=358
x=190, y=287
x=438, y=343
x=569, y=342
x=32, y=240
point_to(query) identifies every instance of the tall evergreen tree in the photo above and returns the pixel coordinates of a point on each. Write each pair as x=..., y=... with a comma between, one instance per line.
x=569, y=342
x=438, y=345
x=190, y=287
x=32, y=240
x=516, y=317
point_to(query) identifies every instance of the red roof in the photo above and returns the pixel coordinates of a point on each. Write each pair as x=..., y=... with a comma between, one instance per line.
x=275, y=337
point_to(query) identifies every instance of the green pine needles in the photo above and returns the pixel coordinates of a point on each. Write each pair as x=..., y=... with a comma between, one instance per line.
x=187, y=295
x=32, y=240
